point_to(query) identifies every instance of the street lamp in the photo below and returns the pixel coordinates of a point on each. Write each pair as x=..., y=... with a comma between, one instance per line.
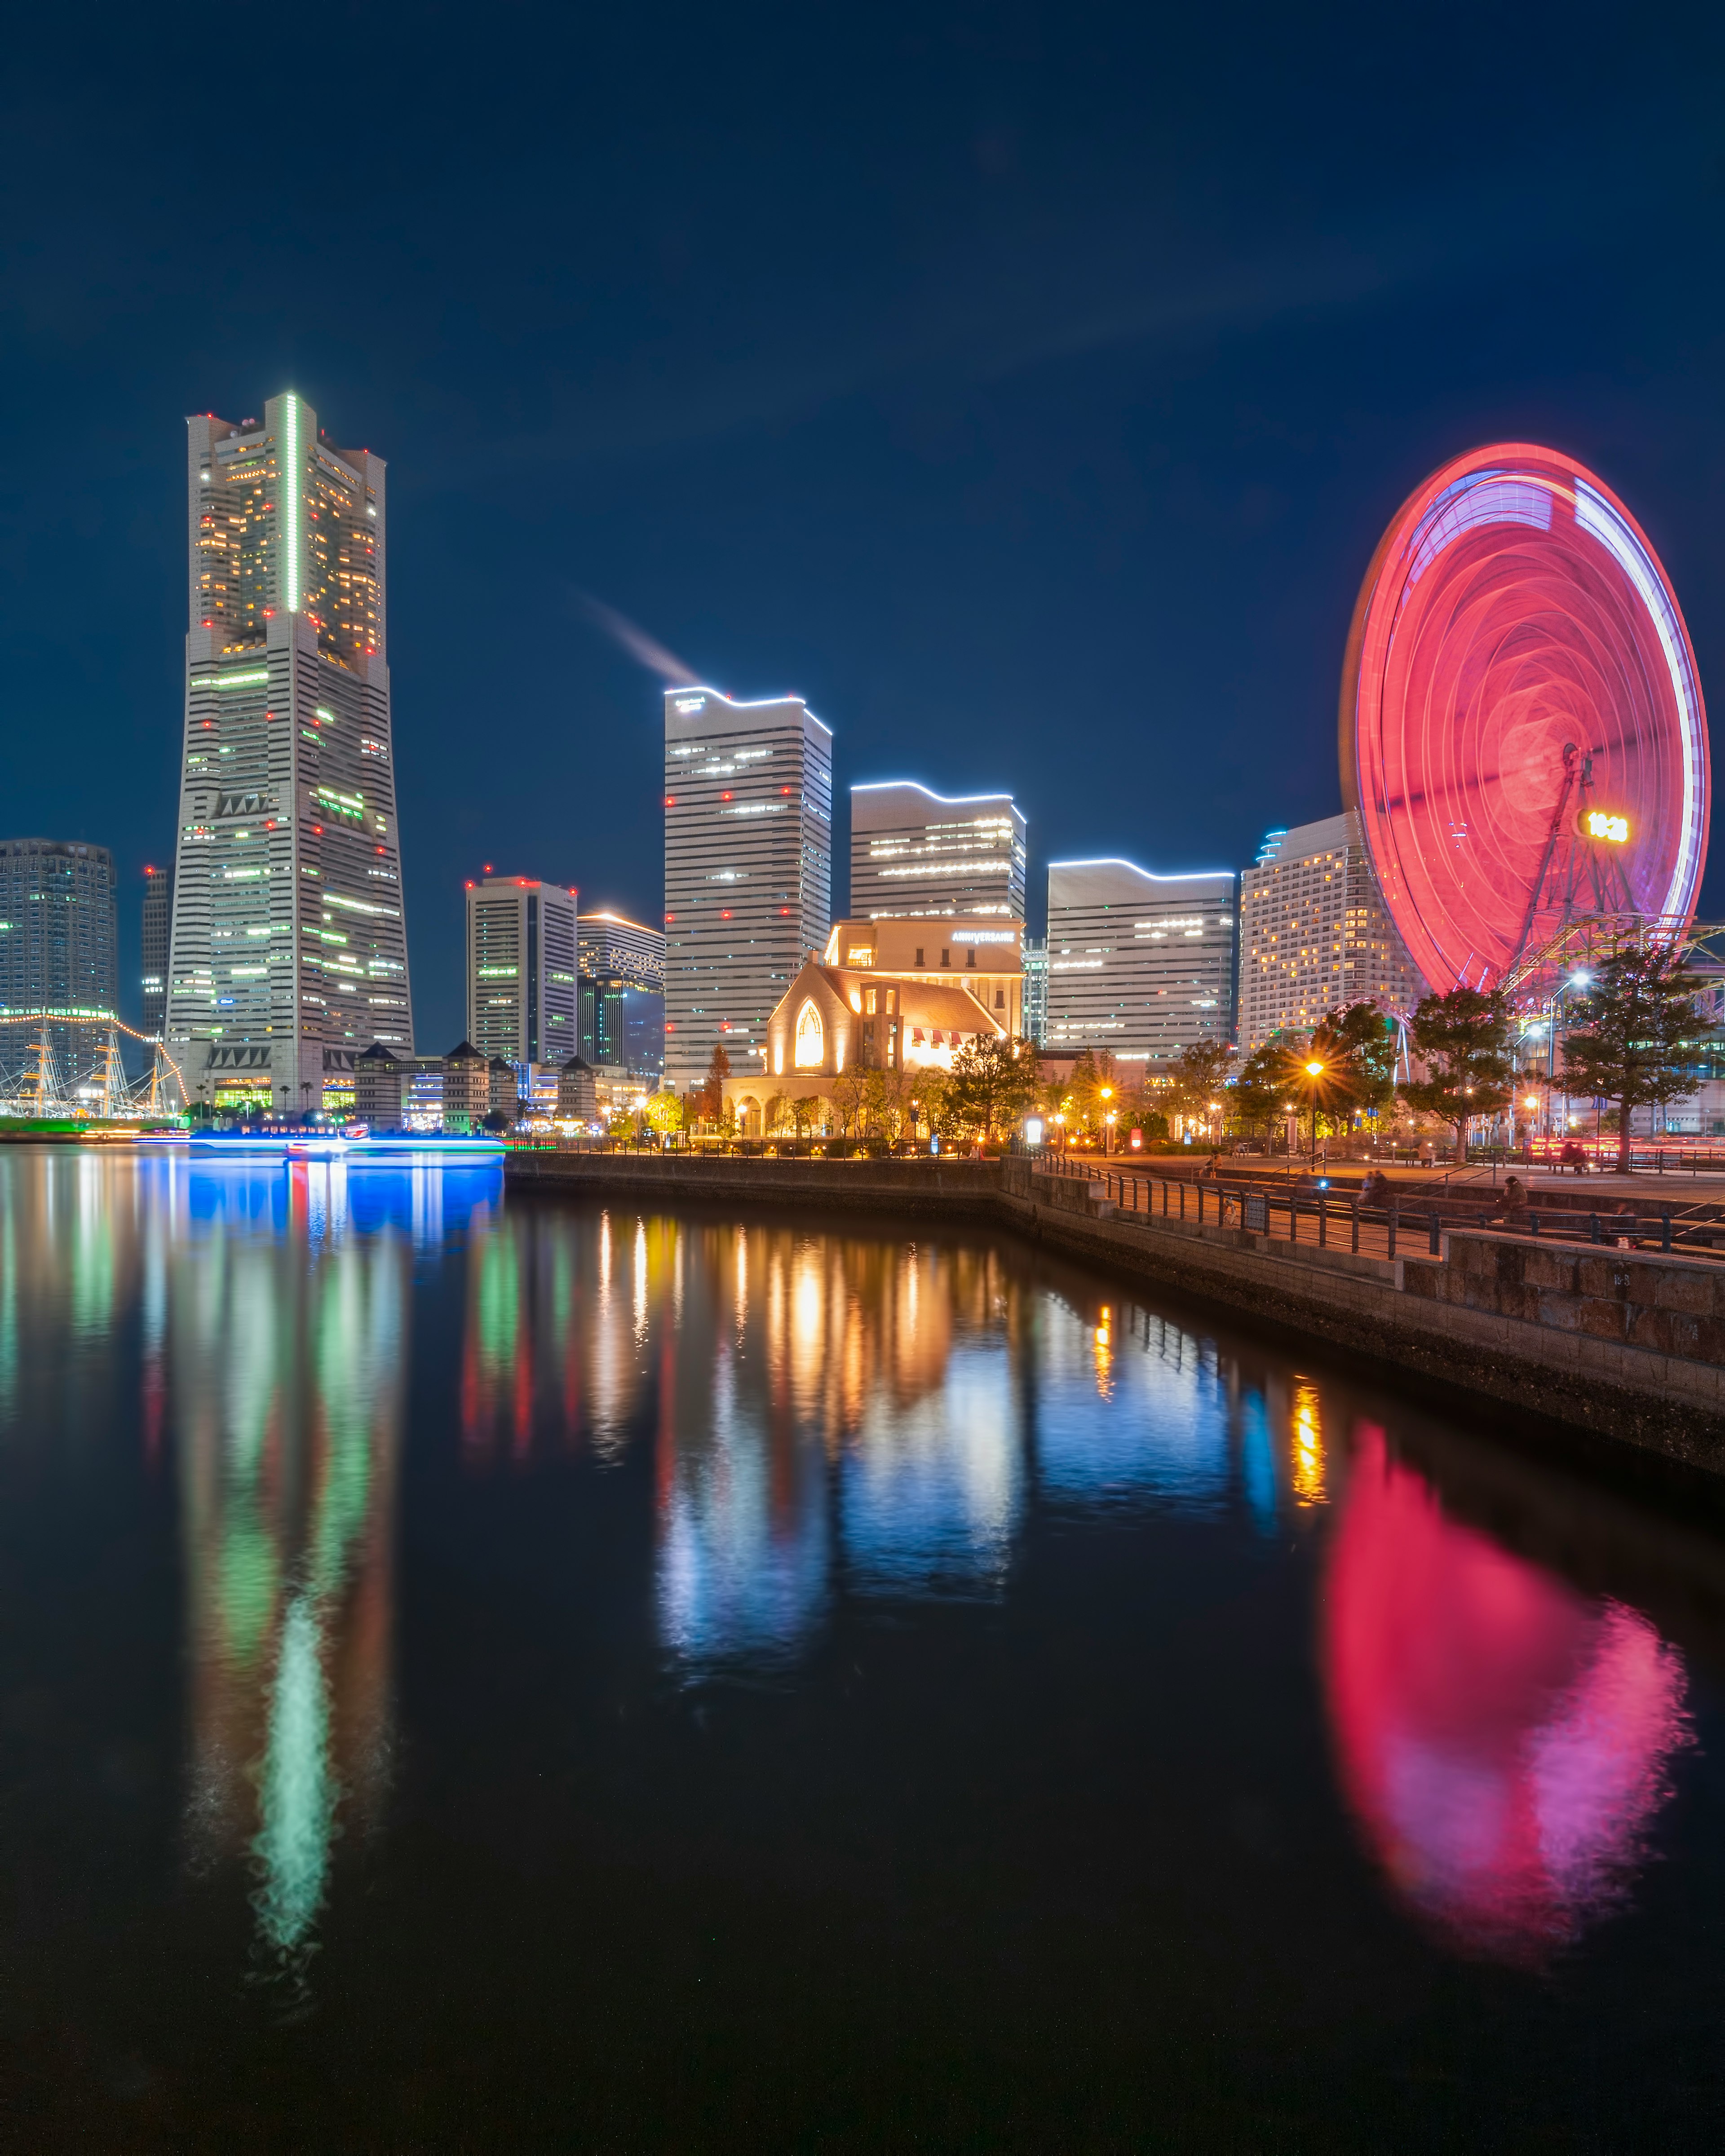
x=1107, y=1095
x=1314, y=1071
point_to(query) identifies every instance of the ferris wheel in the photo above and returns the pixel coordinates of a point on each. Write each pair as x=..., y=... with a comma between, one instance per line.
x=1522, y=725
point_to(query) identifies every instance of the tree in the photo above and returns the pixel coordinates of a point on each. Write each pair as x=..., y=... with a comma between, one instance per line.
x=849, y=1089
x=1199, y=1076
x=1363, y=1038
x=1261, y=1092
x=993, y=1082
x=1640, y=1035
x=1463, y=1040
x=710, y=1099
x=664, y=1112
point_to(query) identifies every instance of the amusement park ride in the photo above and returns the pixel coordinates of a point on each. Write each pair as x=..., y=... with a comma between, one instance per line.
x=34, y=1082
x=1522, y=732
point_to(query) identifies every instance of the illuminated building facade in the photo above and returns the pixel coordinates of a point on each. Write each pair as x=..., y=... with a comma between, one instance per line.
x=153, y=946
x=57, y=939
x=1139, y=964
x=289, y=952
x=983, y=958
x=915, y=853
x=621, y=1019
x=838, y=1019
x=1035, y=957
x=748, y=869
x=1315, y=934
x=522, y=996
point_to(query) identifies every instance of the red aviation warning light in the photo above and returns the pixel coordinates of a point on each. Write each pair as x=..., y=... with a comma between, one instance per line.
x=1518, y=661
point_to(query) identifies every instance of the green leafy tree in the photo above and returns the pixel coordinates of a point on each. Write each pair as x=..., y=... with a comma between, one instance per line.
x=664, y=1113
x=1362, y=1038
x=849, y=1090
x=993, y=1082
x=1463, y=1040
x=1199, y=1076
x=1260, y=1091
x=1642, y=1032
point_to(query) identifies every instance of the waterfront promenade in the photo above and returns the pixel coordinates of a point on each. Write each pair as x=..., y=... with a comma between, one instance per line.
x=1609, y=1321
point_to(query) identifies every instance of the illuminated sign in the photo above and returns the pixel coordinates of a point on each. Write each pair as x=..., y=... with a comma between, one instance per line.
x=1601, y=824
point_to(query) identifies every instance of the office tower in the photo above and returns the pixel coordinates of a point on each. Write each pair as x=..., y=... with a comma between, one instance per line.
x=916, y=853
x=1139, y=964
x=1315, y=934
x=57, y=938
x=289, y=953
x=748, y=869
x=622, y=967
x=1035, y=955
x=158, y=916
x=521, y=999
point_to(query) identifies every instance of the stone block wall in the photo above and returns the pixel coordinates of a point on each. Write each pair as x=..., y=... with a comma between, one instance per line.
x=1671, y=1306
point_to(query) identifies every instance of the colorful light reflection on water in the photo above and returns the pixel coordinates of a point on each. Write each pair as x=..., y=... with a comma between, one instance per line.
x=817, y=1430
x=1505, y=1741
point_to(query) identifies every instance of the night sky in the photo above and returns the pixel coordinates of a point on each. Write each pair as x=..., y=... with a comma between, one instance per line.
x=1026, y=387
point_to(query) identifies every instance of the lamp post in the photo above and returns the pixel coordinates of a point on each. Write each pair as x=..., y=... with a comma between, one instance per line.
x=1314, y=1071
x=1107, y=1095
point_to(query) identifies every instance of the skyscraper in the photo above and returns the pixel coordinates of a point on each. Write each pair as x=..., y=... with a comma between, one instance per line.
x=58, y=942
x=621, y=993
x=1139, y=964
x=748, y=869
x=521, y=1000
x=918, y=854
x=1315, y=934
x=289, y=953
x=158, y=918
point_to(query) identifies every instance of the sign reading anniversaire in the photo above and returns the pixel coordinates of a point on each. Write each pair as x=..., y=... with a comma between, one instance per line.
x=289, y=952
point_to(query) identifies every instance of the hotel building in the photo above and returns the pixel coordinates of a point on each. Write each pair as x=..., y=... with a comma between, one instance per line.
x=916, y=854
x=1315, y=934
x=1141, y=965
x=158, y=920
x=748, y=869
x=289, y=951
x=57, y=939
x=522, y=996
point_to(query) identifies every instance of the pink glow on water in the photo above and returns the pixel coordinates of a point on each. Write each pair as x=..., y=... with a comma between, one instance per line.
x=1504, y=1741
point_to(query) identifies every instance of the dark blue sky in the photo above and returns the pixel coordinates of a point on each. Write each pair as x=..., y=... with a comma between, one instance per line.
x=1027, y=386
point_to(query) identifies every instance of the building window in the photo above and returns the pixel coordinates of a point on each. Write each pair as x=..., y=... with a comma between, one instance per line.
x=970, y=957
x=811, y=1038
x=945, y=958
x=919, y=954
x=1000, y=999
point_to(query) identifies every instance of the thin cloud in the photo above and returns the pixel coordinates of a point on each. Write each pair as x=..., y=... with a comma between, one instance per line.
x=646, y=650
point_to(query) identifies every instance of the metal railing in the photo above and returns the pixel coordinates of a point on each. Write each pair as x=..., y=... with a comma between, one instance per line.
x=1328, y=1220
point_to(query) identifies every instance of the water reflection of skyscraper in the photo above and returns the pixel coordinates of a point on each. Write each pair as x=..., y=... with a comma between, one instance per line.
x=817, y=1401
x=287, y=1392
x=1504, y=1741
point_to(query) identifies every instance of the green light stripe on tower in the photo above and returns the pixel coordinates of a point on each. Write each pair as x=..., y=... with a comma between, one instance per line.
x=293, y=503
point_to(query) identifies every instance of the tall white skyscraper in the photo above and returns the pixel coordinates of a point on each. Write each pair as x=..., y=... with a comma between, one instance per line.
x=289, y=953
x=1139, y=964
x=522, y=996
x=918, y=854
x=1315, y=934
x=748, y=869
